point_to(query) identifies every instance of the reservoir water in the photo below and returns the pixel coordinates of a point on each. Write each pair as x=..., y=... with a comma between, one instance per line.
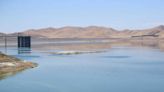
x=118, y=69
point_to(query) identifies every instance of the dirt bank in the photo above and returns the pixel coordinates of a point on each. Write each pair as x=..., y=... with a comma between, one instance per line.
x=9, y=64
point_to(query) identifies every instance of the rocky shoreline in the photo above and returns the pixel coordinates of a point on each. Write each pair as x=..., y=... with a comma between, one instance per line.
x=9, y=64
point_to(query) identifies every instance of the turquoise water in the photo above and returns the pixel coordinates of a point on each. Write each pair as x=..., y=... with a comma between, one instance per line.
x=121, y=69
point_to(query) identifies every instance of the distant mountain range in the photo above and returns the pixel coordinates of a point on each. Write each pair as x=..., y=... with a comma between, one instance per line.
x=93, y=32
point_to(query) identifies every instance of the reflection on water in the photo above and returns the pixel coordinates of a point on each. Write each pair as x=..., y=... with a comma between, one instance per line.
x=126, y=66
x=24, y=50
x=158, y=44
x=10, y=74
x=25, y=54
x=87, y=44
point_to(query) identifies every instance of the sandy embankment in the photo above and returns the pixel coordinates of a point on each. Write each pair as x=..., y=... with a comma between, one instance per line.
x=9, y=64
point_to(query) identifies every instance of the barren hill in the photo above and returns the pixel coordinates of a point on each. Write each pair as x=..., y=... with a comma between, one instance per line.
x=93, y=32
x=72, y=32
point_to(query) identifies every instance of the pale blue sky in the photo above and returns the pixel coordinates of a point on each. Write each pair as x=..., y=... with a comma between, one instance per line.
x=20, y=15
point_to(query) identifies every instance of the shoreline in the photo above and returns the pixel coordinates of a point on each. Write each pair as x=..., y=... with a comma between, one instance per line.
x=11, y=65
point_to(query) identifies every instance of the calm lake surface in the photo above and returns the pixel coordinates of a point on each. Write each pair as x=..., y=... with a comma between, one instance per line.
x=119, y=69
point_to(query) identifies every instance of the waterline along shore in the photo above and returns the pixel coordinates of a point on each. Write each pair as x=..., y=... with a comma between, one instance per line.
x=9, y=64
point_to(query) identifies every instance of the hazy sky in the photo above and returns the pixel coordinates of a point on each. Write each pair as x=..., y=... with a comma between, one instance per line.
x=20, y=15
